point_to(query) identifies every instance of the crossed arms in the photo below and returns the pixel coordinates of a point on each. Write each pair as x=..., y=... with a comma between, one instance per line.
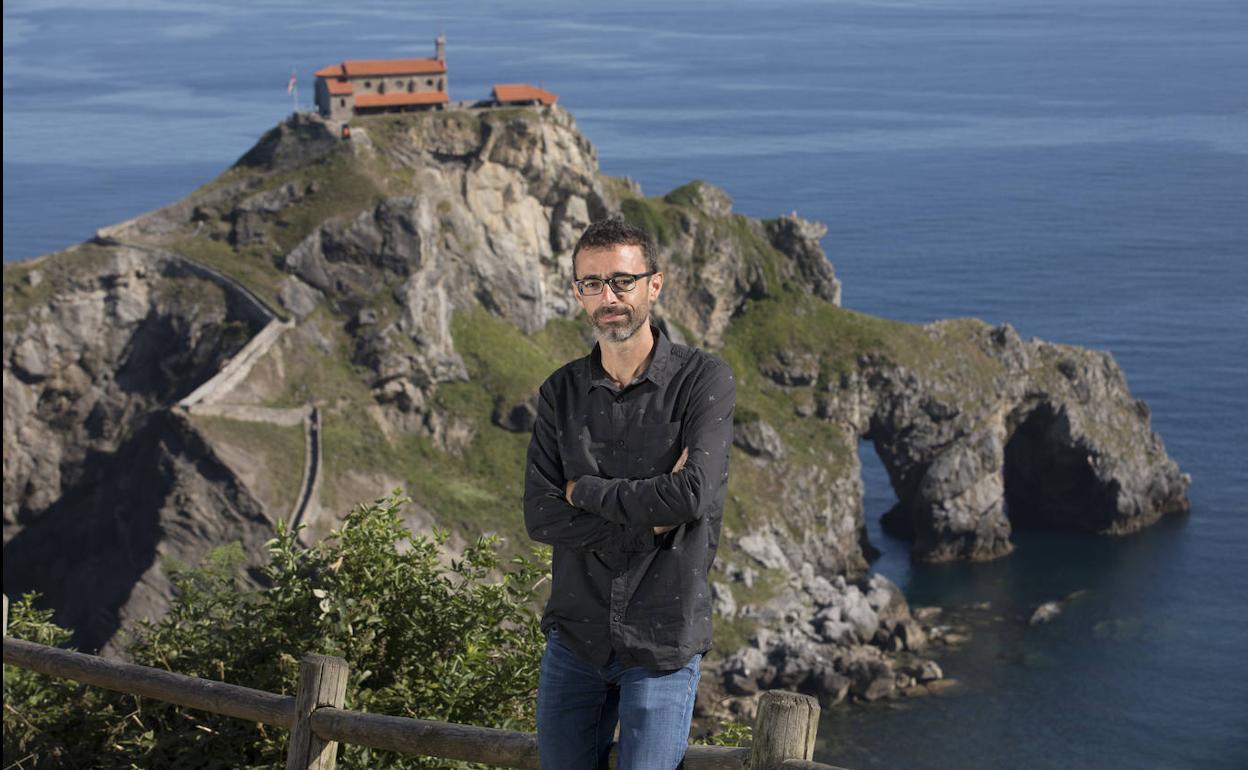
x=594, y=513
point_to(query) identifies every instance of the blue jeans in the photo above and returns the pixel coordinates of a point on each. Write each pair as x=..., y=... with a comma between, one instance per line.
x=579, y=704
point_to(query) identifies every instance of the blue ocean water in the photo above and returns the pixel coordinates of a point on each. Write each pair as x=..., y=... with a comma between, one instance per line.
x=1078, y=169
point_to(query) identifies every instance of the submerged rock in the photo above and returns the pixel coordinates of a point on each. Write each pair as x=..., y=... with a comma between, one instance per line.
x=1045, y=613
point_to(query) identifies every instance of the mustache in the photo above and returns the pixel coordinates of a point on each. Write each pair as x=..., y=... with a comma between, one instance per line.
x=606, y=311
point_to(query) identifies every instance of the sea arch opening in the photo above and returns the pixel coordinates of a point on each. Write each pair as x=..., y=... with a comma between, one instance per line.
x=888, y=553
x=1049, y=483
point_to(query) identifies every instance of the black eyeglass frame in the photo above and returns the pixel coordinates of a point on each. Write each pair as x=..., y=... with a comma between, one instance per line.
x=580, y=283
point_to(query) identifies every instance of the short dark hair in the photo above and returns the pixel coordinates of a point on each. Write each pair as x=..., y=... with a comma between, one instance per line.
x=614, y=231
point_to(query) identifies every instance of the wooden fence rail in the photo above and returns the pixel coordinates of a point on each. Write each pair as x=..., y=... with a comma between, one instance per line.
x=784, y=731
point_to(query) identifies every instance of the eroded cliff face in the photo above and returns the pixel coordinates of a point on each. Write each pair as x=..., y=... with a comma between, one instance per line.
x=426, y=265
x=98, y=343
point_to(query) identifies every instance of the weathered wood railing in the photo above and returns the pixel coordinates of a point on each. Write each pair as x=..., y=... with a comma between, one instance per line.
x=784, y=730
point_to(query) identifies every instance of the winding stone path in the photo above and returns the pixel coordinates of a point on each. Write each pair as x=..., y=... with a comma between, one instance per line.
x=211, y=397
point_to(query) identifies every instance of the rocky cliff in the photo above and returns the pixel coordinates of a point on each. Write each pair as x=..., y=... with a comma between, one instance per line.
x=101, y=482
x=424, y=264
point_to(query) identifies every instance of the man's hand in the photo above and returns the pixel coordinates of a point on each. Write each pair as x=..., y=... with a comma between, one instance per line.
x=680, y=463
x=567, y=490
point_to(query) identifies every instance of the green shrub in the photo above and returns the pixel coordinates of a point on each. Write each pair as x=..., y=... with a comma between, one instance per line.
x=732, y=734
x=452, y=640
x=54, y=722
x=426, y=634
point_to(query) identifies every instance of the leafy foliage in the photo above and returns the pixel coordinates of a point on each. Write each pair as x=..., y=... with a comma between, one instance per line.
x=454, y=642
x=732, y=734
x=428, y=636
x=53, y=722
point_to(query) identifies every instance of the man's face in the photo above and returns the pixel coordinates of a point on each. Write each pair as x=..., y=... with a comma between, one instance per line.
x=616, y=317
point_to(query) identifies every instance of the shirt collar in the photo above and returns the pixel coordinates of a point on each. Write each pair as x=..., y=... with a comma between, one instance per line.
x=657, y=372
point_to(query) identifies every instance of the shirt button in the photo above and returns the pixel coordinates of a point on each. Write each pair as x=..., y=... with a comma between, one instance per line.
x=620, y=444
x=617, y=618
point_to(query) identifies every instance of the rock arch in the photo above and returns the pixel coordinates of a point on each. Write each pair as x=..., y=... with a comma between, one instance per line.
x=1063, y=447
x=1049, y=482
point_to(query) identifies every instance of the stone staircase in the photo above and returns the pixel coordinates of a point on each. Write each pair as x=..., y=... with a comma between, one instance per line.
x=211, y=398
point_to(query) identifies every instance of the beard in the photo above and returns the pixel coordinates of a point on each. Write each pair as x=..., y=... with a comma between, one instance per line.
x=621, y=329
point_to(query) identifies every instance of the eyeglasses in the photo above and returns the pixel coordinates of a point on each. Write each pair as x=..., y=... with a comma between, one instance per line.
x=621, y=283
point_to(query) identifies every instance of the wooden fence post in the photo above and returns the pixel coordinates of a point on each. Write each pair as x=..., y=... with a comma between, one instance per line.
x=322, y=682
x=784, y=729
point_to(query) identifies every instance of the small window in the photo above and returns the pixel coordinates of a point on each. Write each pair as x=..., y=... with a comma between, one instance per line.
x=381, y=87
x=368, y=84
x=441, y=85
x=429, y=83
x=411, y=86
x=342, y=102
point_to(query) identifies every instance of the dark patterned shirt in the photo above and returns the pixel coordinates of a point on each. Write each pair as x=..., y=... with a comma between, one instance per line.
x=616, y=586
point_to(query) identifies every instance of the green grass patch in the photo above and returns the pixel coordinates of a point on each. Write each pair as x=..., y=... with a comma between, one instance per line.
x=232, y=175
x=802, y=324
x=192, y=291
x=758, y=250
x=679, y=212
x=314, y=374
x=280, y=450
x=480, y=488
x=654, y=216
x=250, y=267
x=730, y=635
x=343, y=190
x=618, y=188
x=688, y=194
x=505, y=367
x=506, y=363
x=767, y=585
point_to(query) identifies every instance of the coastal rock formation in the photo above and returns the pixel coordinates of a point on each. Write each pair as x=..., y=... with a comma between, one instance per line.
x=828, y=638
x=1049, y=438
x=425, y=263
x=90, y=458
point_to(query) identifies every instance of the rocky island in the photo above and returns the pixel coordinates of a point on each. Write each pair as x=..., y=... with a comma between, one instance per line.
x=335, y=317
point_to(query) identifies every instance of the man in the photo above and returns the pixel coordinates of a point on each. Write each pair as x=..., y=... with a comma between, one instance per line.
x=626, y=475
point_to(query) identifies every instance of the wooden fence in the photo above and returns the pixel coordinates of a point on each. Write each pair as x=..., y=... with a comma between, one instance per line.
x=784, y=730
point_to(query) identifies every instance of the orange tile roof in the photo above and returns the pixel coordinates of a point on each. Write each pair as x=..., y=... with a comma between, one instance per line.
x=523, y=92
x=364, y=67
x=401, y=99
x=339, y=88
x=332, y=71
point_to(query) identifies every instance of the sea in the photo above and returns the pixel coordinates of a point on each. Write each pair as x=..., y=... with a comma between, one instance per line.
x=1076, y=169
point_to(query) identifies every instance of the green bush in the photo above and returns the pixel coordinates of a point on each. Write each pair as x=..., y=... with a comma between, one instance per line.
x=732, y=734
x=453, y=641
x=426, y=635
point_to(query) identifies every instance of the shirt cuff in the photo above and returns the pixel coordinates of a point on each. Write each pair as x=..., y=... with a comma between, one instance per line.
x=587, y=493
